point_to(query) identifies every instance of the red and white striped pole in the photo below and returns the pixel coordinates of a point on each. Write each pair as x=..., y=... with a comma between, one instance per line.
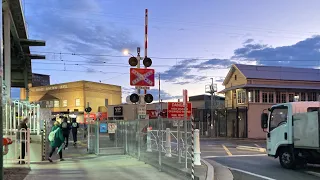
x=146, y=39
x=192, y=148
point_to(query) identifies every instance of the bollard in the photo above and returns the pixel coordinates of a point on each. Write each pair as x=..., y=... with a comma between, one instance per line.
x=196, y=148
x=149, y=140
x=168, y=143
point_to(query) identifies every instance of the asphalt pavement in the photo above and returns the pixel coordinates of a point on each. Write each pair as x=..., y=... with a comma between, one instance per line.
x=249, y=165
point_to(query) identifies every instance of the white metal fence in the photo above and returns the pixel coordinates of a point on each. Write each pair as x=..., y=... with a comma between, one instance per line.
x=20, y=146
x=169, y=142
x=17, y=110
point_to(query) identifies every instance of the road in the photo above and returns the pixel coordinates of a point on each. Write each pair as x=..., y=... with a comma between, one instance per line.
x=249, y=165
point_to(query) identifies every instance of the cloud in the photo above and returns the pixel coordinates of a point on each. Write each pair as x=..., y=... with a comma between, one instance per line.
x=214, y=63
x=248, y=41
x=65, y=26
x=180, y=73
x=305, y=54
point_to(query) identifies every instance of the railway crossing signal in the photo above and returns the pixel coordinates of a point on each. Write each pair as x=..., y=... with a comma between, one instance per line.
x=133, y=61
x=88, y=109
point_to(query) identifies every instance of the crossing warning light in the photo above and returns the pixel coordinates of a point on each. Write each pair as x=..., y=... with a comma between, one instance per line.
x=147, y=62
x=134, y=98
x=148, y=98
x=88, y=109
x=133, y=61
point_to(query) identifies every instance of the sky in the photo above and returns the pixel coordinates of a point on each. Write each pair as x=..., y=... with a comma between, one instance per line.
x=189, y=42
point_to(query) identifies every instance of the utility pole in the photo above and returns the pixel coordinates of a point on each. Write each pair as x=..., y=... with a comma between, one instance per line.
x=212, y=88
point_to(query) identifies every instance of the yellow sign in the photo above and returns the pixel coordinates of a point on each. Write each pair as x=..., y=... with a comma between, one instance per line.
x=52, y=88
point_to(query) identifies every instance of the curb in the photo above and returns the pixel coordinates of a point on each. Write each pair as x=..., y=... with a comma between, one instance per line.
x=313, y=173
x=210, y=170
x=250, y=148
x=221, y=172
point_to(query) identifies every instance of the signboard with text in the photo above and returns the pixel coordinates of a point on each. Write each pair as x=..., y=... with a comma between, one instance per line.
x=40, y=80
x=176, y=110
x=141, y=77
x=118, y=111
x=142, y=109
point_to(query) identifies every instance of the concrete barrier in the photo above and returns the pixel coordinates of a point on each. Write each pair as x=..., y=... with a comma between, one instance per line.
x=250, y=148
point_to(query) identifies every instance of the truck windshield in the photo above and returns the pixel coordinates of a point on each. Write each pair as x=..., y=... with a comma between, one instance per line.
x=278, y=116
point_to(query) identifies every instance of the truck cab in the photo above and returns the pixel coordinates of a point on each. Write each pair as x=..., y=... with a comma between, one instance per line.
x=293, y=134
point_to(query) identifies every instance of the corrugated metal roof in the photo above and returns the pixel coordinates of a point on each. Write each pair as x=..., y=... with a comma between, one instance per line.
x=279, y=73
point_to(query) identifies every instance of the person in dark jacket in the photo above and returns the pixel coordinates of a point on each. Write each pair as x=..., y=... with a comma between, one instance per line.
x=74, y=126
x=65, y=126
x=57, y=142
x=22, y=136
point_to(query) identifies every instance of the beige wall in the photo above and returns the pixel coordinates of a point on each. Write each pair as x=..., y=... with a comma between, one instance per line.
x=240, y=79
x=94, y=93
x=254, y=119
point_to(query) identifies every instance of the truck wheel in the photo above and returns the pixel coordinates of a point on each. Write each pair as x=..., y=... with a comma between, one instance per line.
x=287, y=159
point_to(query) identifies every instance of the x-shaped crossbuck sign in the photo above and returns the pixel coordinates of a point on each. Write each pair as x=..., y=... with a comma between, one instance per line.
x=142, y=77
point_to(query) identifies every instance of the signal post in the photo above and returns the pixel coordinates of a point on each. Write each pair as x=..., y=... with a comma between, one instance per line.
x=142, y=78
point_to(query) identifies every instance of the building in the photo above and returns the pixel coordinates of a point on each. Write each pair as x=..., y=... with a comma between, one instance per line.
x=204, y=101
x=201, y=110
x=250, y=89
x=75, y=96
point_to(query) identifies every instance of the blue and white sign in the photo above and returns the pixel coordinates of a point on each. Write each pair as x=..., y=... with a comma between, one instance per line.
x=103, y=127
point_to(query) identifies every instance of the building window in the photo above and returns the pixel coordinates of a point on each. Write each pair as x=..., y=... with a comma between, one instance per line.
x=250, y=96
x=264, y=97
x=56, y=103
x=64, y=103
x=49, y=104
x=270, y=97
x=77, y=102
x=291, y=97
x=235, y=77
x=278, y=97
x=106, y=102
x=241, y=96
x=312, y=96
x=283, y=98
x=303, y=96
x=257, y=96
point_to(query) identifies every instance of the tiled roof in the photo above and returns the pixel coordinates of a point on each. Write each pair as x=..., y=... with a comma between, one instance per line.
x=279, y=73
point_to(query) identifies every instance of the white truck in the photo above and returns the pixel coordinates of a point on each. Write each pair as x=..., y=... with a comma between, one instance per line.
x=293, y=133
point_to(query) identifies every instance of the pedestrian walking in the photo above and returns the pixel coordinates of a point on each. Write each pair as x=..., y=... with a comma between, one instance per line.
x=22, y=137
x=56, y=139
x=74, y=126
x=65, y=126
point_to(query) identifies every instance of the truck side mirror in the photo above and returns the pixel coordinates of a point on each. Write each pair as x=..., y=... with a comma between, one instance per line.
x=264, y=120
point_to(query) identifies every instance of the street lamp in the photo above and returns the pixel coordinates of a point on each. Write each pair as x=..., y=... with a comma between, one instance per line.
x=127, y=52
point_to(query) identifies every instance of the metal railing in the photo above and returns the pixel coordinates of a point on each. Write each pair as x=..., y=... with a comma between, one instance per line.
x=15, y=111
x=20, y=146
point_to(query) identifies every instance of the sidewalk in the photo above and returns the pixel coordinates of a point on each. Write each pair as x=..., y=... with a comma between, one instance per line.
x=118, y=167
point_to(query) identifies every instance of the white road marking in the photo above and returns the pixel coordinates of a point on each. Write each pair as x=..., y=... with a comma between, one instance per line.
x=250, y=173
x=248, y=155
x=257, y=145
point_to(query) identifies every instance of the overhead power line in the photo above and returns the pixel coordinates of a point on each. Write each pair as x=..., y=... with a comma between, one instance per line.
x=163, y=58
